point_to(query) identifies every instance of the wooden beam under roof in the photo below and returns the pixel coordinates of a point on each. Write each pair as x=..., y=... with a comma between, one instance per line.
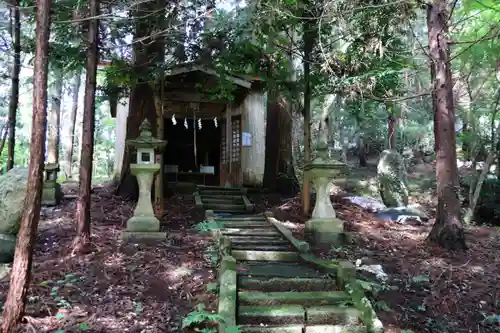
x=178, y=96
x=194, y=68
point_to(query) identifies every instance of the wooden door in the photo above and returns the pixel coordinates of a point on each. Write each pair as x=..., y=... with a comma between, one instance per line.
x=230, y=161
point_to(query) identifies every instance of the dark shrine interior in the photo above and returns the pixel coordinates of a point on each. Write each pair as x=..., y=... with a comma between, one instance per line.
x=180, y=150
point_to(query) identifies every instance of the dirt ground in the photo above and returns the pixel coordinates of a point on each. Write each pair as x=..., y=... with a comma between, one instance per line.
x=116, y=289
x=139, y=288
x=428, y=289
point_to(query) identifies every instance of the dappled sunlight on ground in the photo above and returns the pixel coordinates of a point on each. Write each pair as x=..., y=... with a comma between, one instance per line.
x=117, y=288
x=429, y=289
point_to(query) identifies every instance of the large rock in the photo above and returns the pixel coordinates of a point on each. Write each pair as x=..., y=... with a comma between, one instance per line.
x=13, y=186
x=392, y=179
x=7, y=248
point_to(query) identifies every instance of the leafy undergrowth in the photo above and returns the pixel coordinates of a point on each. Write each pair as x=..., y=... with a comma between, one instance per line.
x=428, y=289
x=116, y=288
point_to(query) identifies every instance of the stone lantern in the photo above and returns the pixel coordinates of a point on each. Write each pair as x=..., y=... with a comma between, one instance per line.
x=51, y=190
x=144, y=225
x=324, y=228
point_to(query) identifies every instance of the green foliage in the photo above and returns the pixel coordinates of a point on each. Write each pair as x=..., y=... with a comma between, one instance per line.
x=213, y=288
x=208, y=226
x=199, y=316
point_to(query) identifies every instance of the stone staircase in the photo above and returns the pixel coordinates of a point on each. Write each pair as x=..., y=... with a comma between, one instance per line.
x=223, y=199
x=271, y=283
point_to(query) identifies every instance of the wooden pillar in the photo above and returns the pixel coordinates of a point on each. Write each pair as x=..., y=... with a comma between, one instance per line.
x=159, y=204
x=229, y=145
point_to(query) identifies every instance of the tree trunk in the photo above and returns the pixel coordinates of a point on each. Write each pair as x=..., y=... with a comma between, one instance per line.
x=82, y=237
x=26, y=238
x=475, y=191
x=308, y=40
x=391, y=127
x=361, y=151
x=54, y=118
x=74, y=109
x=279, y=171
x=447, y=231
x=4, y=131
x=14, y=95
x=147, y=55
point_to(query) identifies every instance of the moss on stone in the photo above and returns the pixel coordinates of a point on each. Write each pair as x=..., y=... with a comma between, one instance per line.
x=286, y=284
x=265, y=255
x=333, y=315
x=335, y=329
x=304, y=298
x=290, y=314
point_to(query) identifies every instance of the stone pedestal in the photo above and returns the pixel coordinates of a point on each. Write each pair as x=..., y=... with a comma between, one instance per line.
x=144, y=225
x=324, y=228
x=51, y=192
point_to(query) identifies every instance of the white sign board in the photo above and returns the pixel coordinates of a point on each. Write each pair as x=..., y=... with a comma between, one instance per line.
x=246, y=139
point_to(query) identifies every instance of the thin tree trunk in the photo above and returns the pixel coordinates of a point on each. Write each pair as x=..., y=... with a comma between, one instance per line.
x=3, y=131
x=74, y=109
x=82, y=238
x=308, y=39
x=14, y=96
x=54, y=118
x=475, y=191
x=447, y=231
x=26, y=238
x=391, y=126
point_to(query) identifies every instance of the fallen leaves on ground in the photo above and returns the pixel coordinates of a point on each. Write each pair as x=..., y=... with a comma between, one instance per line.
x=116, y=288
x=429, y=289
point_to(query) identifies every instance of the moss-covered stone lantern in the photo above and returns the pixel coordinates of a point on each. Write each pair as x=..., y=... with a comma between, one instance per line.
x=144, y=225
x=324, y=228
x=51, y=193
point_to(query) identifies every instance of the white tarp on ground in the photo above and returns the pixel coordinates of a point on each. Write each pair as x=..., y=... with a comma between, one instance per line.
x=367, y=203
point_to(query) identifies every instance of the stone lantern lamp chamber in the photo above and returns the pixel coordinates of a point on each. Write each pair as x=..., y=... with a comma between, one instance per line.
x=144, y=225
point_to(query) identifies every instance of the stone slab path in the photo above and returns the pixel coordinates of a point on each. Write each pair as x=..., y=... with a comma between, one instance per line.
x=271, y=283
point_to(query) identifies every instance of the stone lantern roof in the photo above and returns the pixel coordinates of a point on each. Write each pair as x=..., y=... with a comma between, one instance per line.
x=146, y=139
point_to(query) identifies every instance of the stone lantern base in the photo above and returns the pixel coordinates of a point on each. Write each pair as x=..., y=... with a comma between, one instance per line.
x=144, y=226
x=324, y=228
x=325, y=231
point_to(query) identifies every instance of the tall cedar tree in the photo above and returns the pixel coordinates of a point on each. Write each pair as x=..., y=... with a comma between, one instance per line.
x=21, y=270
x=82, y=238
x=448, y=231
x=16, y=69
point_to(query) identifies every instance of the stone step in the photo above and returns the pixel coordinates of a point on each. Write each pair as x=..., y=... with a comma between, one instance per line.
x=261, y=247
x=265, y=255
x=245, y=224
x=304, y=329
x=271, y=315
x=223, y=200
x=224, y=207
x=250, y=232
x=308, y=298
x=335, y=329
x=332, y=315
x=272, y=329
x=276, y=269
x=221, y=196
x=243, y=240
x=221, y=192
x=241, y=218
x=219, y=188
x=286, y=284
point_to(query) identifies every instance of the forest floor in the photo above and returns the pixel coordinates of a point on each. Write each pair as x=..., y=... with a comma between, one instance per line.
x=428, y=289
x=139, y=288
